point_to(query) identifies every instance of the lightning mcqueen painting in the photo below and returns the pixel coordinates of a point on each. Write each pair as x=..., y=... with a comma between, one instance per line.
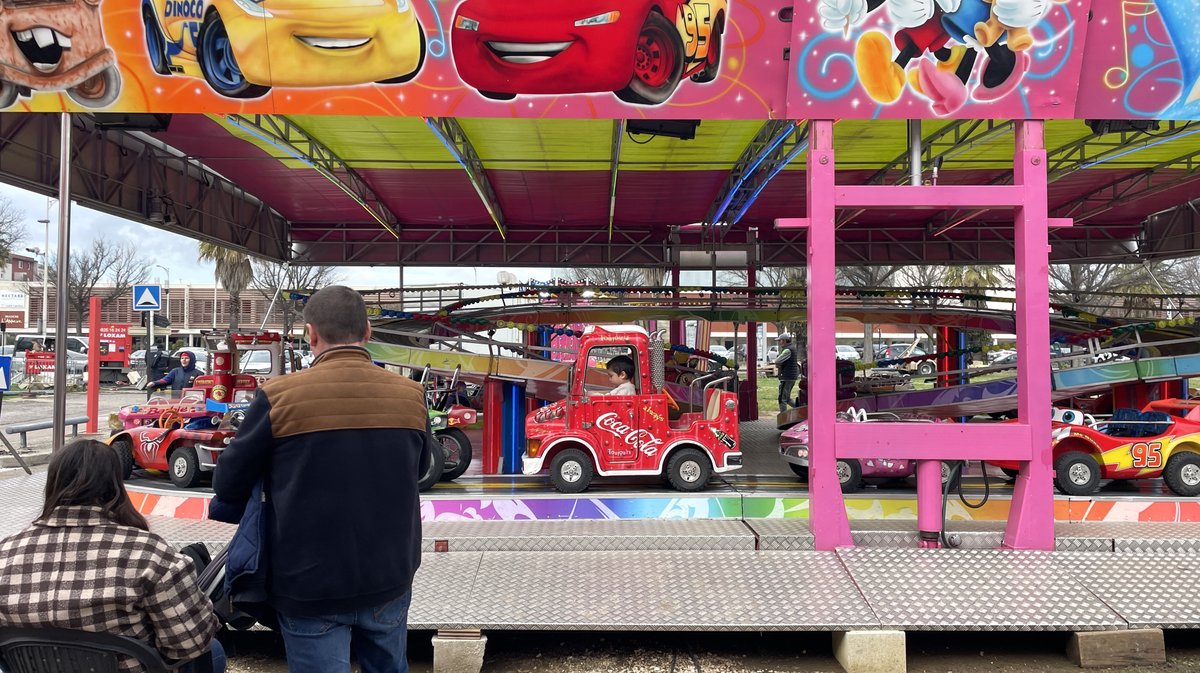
x=639, y=49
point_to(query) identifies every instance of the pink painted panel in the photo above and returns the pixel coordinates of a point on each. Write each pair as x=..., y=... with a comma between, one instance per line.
x=909, y=59
x=934, y=441
x=1088, y=59
x=1143, y=60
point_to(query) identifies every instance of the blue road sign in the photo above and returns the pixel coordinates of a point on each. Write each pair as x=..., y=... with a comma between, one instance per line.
x=5, y=372
x=147, y=297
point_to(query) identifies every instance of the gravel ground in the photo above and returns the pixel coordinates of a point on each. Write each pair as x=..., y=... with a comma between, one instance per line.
x=510, y=652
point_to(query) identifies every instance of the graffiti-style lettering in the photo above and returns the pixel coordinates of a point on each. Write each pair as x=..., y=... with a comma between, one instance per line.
x=184, y=9
x=645, y=440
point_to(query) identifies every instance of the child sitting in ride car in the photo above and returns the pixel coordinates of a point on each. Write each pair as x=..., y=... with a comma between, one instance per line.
x=620, y=375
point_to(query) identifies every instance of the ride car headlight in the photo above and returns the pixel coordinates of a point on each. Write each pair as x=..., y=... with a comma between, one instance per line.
x=599, y=19
x=465, y=23
x=253, y=8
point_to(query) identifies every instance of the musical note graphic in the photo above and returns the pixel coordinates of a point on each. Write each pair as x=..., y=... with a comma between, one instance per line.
x=1118, y=76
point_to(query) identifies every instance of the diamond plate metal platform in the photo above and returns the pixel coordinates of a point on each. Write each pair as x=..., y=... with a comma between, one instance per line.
x=667, y=591
x=701, y=535
x=975, y=590
x=794, y=534
x=1148, y=590
x=442, y=588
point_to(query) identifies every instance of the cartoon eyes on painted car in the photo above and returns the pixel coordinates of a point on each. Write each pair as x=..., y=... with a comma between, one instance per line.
x=641, y=51
x=57, y=46
x=312, y=43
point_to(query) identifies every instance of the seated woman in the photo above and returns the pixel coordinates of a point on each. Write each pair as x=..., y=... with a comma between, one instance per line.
x=89, y=562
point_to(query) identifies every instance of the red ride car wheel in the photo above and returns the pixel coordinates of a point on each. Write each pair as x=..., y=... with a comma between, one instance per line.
x=657, y=63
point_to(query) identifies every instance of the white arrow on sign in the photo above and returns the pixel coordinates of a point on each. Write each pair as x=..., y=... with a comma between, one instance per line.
x=147, y=299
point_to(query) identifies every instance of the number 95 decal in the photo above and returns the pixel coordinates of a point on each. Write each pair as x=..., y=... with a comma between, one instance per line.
x=1147, y=455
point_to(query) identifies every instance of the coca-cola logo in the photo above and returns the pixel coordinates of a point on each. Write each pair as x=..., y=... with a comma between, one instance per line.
x=643, y=440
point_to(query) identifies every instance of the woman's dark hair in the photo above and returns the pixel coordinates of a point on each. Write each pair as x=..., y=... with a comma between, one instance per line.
x=88, y=473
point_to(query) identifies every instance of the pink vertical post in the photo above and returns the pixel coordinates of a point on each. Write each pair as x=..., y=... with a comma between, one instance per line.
x=827, y=509
x=1031, y=518
x=750, y=412
x=929, y=503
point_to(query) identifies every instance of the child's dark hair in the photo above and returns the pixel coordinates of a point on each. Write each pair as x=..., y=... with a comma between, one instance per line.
x=622, y=364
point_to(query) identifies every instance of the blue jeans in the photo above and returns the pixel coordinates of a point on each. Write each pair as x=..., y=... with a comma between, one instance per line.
x=212, y=661
x=379, y=636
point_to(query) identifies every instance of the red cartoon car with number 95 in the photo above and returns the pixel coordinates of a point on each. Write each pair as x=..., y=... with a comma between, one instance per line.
x=639, y=49
x=1162, y=440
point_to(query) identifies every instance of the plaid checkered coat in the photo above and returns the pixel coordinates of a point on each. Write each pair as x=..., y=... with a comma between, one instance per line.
x=77, y=569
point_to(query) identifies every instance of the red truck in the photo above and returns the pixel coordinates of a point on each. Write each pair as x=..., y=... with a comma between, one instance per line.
x=593, y=434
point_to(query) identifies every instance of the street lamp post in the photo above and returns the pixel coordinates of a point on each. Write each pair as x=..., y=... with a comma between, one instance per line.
x=46, y=272
x=39, y=253
x=166, y=305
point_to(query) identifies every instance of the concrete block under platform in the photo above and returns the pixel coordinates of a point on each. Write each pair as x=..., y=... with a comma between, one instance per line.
x=458, y=652
x=870, y=651
x=1099, y=649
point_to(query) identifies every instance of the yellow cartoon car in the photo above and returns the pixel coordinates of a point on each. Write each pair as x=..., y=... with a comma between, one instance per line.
x=244, y=47
x=57, y=45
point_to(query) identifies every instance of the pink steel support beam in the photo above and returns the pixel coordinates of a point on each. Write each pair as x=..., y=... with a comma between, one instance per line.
x=867, y=196
x=1031, y=518
x=827, y=509
x=752, y=353
x=929, y=510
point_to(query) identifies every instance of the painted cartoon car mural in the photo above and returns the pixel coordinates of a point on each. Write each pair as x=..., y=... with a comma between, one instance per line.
x=638, y=49
x=57, y=46
x=242, y=48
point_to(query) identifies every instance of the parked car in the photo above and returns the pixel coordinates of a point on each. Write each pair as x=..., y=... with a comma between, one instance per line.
x=848, y=353
x=74, y=343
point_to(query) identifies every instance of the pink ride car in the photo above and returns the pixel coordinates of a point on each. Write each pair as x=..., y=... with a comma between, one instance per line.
x=793, y=447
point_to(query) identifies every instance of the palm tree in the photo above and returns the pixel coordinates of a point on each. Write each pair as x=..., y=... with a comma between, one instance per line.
x=233, y=272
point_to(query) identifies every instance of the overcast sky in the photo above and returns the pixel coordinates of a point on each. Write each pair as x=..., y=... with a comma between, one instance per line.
x=178, y=253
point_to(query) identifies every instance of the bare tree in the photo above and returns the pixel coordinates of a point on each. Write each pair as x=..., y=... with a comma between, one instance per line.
x=233, y=271
x=12, y=228
x=616, y=276
x=1078, y=284
x=118, y=267
x=868, y=276
x=271, y=277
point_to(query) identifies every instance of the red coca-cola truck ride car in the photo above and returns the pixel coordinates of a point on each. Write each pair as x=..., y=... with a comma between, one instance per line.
x=592, y=433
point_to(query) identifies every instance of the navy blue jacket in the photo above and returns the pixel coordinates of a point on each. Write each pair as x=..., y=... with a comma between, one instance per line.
x=339, y=447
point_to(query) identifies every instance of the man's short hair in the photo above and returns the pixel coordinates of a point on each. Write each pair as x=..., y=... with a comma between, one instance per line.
x=339, y=315
x=622, y=364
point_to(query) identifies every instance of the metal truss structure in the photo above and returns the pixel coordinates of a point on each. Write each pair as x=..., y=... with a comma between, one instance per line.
x=455, y=246
x=286, y=135
x=774, y=146
x=128, y=174
x=451, y=133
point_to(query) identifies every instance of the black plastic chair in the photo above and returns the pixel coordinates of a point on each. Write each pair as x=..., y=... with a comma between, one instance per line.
x=43, y=650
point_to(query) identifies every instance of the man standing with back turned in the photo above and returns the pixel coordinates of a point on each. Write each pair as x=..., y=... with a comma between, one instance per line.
x=789, y=371
x=338, y=449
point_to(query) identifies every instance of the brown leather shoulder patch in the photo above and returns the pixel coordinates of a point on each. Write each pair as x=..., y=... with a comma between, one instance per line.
x=344, y=395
